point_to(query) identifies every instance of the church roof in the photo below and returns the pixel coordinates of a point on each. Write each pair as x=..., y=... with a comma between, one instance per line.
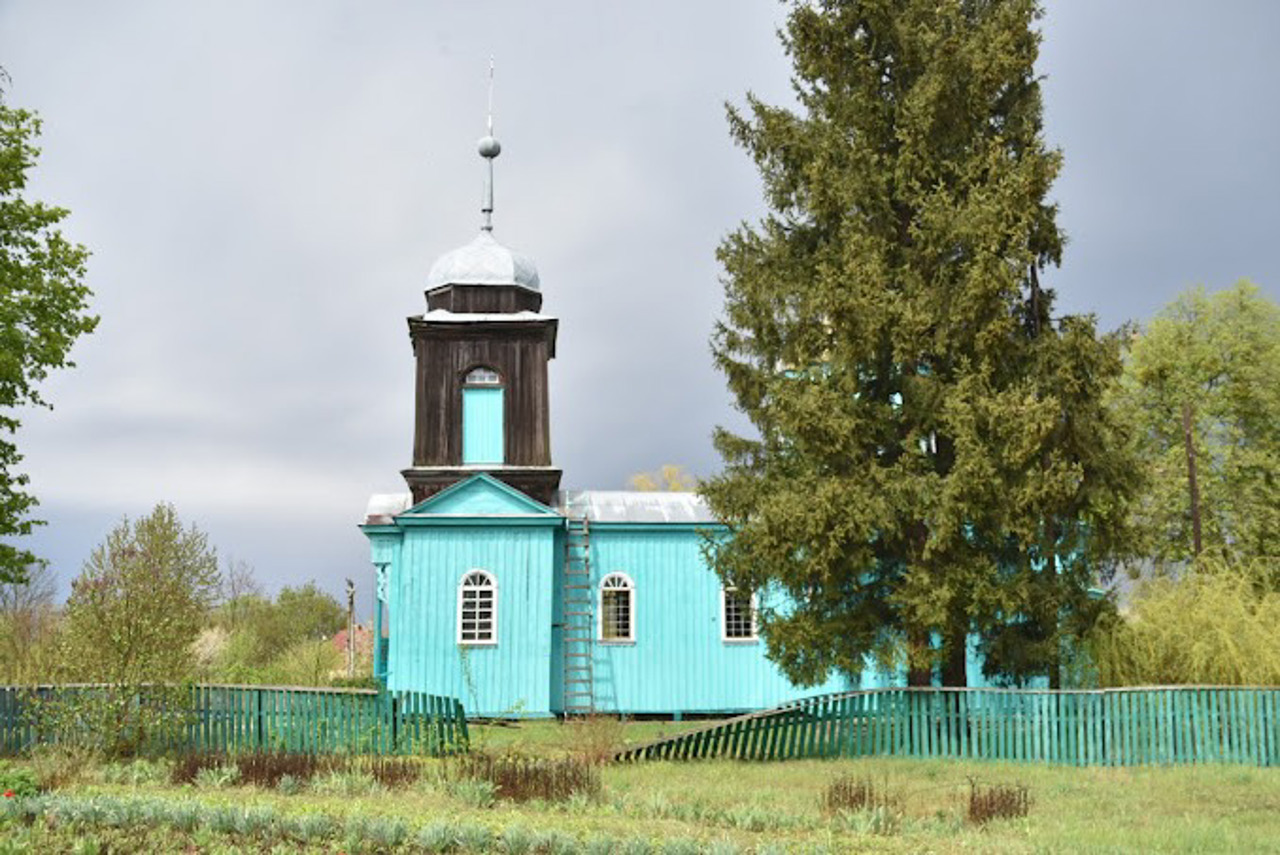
x=484, y=261
x=633, y=506
x=601, y=506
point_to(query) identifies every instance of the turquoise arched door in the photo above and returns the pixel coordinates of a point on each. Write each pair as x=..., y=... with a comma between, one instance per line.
x=482, y=428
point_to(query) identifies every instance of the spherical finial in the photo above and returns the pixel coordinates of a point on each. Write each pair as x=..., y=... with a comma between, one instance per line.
x=489, y=147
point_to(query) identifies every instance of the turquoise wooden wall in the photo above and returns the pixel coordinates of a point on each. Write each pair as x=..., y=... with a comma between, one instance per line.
x=510, y=677
x=479, y=524
x=482, y=437
x=678, y=661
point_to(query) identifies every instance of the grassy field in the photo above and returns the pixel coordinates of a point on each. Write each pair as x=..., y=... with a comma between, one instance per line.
x=722, y=806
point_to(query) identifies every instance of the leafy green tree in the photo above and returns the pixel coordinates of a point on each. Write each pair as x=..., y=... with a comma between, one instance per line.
x=1217, y=624
x=140, y=601
x=668, y=478
x=261, y=632
x=305, y=613
x=930, y=440
x=29, y=623
x=43, y=302
x=1202, y=386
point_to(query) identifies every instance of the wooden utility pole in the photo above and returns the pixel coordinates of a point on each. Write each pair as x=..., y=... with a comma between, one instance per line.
x=351, y=628
x=1189, y=439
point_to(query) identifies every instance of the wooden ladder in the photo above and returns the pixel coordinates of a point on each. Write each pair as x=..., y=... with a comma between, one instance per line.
x=578, y=620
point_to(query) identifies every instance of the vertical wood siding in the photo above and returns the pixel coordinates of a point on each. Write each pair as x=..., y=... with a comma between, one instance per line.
x=482, y=426
x=512, y=677
x=678, y=661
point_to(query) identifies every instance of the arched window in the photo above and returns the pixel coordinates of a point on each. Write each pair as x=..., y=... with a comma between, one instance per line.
x=482, y=414
x=478, y=608
x=617, y=608
x=483, y=377
x=737, y=615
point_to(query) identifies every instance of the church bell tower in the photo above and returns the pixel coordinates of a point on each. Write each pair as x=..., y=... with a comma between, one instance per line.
x=482, y=349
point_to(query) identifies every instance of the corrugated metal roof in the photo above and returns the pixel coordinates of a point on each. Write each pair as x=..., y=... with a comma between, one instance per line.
x=620, y=506
x=635, y=506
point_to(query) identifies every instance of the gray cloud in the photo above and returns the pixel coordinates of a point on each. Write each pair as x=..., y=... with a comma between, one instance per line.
x=264, y=187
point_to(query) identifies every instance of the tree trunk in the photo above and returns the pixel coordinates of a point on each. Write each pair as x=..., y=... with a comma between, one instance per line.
x=1188, y=437
x=955, y=672
x=917, y=644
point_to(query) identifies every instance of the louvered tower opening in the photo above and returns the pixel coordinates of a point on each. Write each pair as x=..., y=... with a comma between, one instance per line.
x=578, y=623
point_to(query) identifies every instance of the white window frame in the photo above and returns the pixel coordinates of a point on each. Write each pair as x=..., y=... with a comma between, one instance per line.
x=626, y=585
x=492, y=585
x=482, y=375
x=724, y=618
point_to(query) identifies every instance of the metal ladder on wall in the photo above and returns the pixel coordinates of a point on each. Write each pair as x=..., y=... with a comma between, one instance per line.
x=577, y=620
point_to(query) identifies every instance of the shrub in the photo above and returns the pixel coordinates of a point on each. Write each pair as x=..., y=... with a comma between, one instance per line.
x=188, y=766
x=997, y=801
x=289, y=785
x=723, y=847
x=519, y=778
x=1217, y=624
x=135, y=772
x=437, y=837
x=17, y=782
x=312, y=827
x=394, y=771
x=852, y=794
x=345, y=783
x=214, y=777
x=476, y=794
x=58, y=766
x=475, y=838
x=267, y=768
x=595, y=738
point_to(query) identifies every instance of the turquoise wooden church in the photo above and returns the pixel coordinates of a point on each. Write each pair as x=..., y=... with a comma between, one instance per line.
x=521, y=599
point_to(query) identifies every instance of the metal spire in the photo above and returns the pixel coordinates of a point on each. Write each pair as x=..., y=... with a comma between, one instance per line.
x=489, y=149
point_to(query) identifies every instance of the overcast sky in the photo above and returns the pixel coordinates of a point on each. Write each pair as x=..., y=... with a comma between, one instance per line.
x=264, y=186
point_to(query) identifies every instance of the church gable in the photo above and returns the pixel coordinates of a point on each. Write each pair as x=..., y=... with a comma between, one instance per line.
x=480, y=496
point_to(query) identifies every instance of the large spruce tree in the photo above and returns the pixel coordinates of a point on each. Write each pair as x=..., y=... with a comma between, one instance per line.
x=930, y=446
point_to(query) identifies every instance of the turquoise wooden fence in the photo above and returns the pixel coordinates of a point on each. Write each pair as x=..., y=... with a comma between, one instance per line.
x=1109, y=727
x=237, y=718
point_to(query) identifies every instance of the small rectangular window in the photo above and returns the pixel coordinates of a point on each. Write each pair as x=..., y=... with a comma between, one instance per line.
x=739, y=616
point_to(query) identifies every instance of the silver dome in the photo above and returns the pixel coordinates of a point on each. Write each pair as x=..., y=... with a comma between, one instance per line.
x=484, y=261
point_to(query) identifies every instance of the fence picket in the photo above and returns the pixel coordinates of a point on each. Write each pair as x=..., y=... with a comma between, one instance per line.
x=240, y=718
x=1111, y=727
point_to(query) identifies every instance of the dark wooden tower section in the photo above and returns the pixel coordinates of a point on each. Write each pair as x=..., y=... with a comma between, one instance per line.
x=468, y=327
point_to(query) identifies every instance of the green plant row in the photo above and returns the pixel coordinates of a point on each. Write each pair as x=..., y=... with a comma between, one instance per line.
x=266, y=826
